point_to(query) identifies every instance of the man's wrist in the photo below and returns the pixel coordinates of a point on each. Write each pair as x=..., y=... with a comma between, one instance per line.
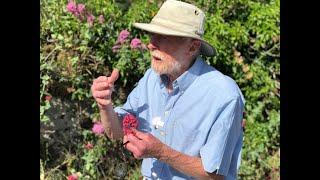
x=106, y=108
x=162, y=152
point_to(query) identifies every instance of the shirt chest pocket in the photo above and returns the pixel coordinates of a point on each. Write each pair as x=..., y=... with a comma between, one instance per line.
x=186, y=138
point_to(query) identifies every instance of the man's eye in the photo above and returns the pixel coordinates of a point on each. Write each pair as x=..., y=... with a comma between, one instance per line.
x=164, y=37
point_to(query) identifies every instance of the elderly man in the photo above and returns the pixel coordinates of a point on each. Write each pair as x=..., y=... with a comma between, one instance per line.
x=189, y=113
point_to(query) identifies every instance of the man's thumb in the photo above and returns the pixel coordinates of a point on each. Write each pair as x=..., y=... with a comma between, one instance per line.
x=114, y=76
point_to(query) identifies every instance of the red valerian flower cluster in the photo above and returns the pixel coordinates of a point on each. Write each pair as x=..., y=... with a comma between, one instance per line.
x=73, y=177
x=129, y=122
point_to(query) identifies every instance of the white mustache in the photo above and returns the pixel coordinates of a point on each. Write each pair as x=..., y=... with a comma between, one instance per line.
x=157, y=55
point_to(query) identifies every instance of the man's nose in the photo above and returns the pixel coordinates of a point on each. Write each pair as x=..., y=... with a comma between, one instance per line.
x=151, y=46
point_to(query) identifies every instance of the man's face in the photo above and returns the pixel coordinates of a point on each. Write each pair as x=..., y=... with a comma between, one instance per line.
x=169, y=54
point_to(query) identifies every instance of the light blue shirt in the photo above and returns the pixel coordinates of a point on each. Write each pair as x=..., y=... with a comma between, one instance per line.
x=201, y=117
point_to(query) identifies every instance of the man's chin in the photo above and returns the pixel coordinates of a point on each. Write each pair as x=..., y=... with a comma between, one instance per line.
x=158, y=71
x=161, y=70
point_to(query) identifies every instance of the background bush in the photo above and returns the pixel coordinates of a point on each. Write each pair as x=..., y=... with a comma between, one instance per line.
x=73, y=51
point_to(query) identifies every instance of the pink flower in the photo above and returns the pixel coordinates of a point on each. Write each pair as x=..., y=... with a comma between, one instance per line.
x=124, y=34
x=81, y=8
x=73, y=177
x=98, y=128
x=88, y=146
x=71, y=7
x=101, y=19
x=135, y=43
x=90, y=19
x=129, y=122
x=48, y=98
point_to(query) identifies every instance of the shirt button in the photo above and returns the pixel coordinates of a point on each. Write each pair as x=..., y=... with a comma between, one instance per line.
x=166, y=113
x=154, y=174
x=162, y=133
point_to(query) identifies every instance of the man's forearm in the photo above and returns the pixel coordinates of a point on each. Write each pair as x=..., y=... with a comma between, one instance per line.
x=111, y=123
x=186, y=164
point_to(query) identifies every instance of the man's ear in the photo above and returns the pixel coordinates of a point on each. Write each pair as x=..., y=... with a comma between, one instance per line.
x=195, y=45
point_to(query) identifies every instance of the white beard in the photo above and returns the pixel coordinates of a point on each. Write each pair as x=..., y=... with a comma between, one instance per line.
x=172, y=68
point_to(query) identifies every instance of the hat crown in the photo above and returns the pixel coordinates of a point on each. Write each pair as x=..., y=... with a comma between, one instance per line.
x=176, y=18
x=181, y=16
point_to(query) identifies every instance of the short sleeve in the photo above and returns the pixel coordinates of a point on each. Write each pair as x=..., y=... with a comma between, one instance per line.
x=223, y=136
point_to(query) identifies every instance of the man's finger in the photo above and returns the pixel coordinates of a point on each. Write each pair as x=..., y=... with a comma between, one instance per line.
x=139, y=134
x=102, y=94
x=114, y=76
x=133, y=139
x=132, y=148
x=103, y=102
x=101, y=86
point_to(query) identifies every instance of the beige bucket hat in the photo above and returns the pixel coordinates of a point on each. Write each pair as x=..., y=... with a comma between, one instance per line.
x=177, y=18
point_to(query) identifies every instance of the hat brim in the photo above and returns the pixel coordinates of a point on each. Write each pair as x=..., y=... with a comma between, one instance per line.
x=206, y=48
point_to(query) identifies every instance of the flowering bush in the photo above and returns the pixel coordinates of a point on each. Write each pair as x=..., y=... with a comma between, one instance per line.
x=135, y=43
x=81, y=13
x=48, y=98
x=76, y=43
x=98, y=129
x=88, y=146
x=126, y=51
x=73, y=177
x=123, y=36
